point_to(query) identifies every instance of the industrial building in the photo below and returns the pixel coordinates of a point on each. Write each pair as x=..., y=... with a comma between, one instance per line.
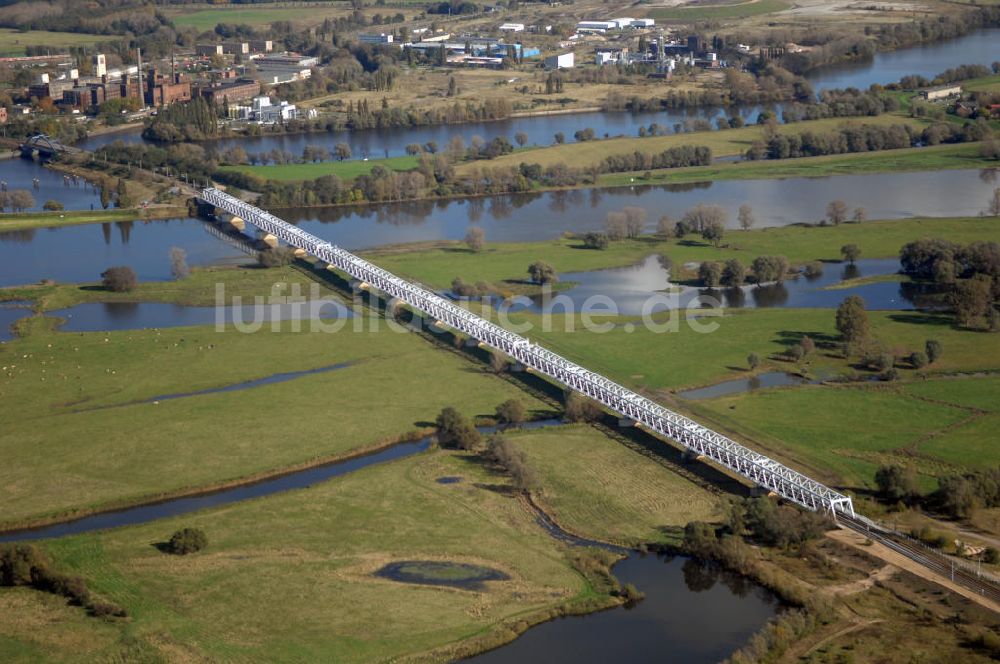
x=561, y=61
x=622, y=23
x=381, y=38
x=230, y=91
x=942, y=92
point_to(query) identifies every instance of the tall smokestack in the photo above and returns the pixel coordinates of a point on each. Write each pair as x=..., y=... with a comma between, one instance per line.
x=142, y=90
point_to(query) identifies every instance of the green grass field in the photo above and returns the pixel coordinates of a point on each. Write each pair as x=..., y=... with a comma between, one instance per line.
x=985, y=84
x=15, y=221
x=288, y=578
x=345, y=170
x=596, y=486
x=197, y=289
x=70, y=388
x=207, y=19
x=849, y=431
x=439, y=263
x=13, y=42
x=696, y=12
x=934, y=158
x=723, y=143
x=686, y=358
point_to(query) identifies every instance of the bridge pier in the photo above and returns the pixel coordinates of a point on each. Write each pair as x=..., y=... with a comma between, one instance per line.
x=269, y=240
x=627, y=423
x=689, y=455
x=236, y=222
x=299, y=252
x=472, y=342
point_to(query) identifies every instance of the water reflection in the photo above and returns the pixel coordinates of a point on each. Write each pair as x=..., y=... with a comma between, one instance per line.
x=81, y=253
x=391, y=142
x=692, y=613
x=45, y=184
x=543, y=216
x=12, y=311
x=740, y=385
x=72, y=254
x=107, y=316
x=630, y=289
x=977, y=47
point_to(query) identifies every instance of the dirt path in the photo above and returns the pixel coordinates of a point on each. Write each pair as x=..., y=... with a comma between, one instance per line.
x=854, y=587
x=853, y=627
x=856, y=540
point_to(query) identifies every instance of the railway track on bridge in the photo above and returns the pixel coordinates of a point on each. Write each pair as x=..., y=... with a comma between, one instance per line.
x=759, y=469
x=698, y=439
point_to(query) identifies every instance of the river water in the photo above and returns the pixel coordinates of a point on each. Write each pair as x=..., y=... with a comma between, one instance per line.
x=692, y=613
x=978, y=47
x=543, y=216
x=45, y=184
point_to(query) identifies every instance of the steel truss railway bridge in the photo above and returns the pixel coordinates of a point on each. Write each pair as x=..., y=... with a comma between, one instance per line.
x=759, y=469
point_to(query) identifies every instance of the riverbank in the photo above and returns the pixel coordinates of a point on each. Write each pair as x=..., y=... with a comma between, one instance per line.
x=17, y=221
x=906, y=160
x=197, y=289
x=438, y=263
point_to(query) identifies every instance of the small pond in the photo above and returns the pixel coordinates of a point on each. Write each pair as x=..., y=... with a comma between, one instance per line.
x=440, y=573
x=740, y=385
x=110, y=316
x=12, y=311
x=647, y=287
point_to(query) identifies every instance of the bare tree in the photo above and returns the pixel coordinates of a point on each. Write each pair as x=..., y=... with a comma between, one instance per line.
x=665, y=226
x=475, y=238
x=994, y=206
x=342, y=151
x=836, y=212
x=178, y=263
x=635, y=219
x=521, y=138
x=745, y=216
x=20, y=200
x=860, y=215
x=701, y=216
x=616, y=225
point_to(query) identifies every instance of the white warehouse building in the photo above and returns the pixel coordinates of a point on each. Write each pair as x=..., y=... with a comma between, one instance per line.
x=595, y=26
x=512, y=27
x=561, y=61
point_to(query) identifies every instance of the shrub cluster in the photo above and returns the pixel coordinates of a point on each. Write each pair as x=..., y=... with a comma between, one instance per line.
x=676, y=157
x=187, y=540
x=25, y=565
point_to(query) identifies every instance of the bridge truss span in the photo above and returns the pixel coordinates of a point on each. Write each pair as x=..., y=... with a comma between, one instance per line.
x=761, y=470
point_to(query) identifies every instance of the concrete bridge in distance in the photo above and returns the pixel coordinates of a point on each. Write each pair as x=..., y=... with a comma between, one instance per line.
x=634, y=408
x=45, y=146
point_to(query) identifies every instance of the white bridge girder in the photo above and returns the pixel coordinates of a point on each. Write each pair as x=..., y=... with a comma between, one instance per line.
x=761, y=470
